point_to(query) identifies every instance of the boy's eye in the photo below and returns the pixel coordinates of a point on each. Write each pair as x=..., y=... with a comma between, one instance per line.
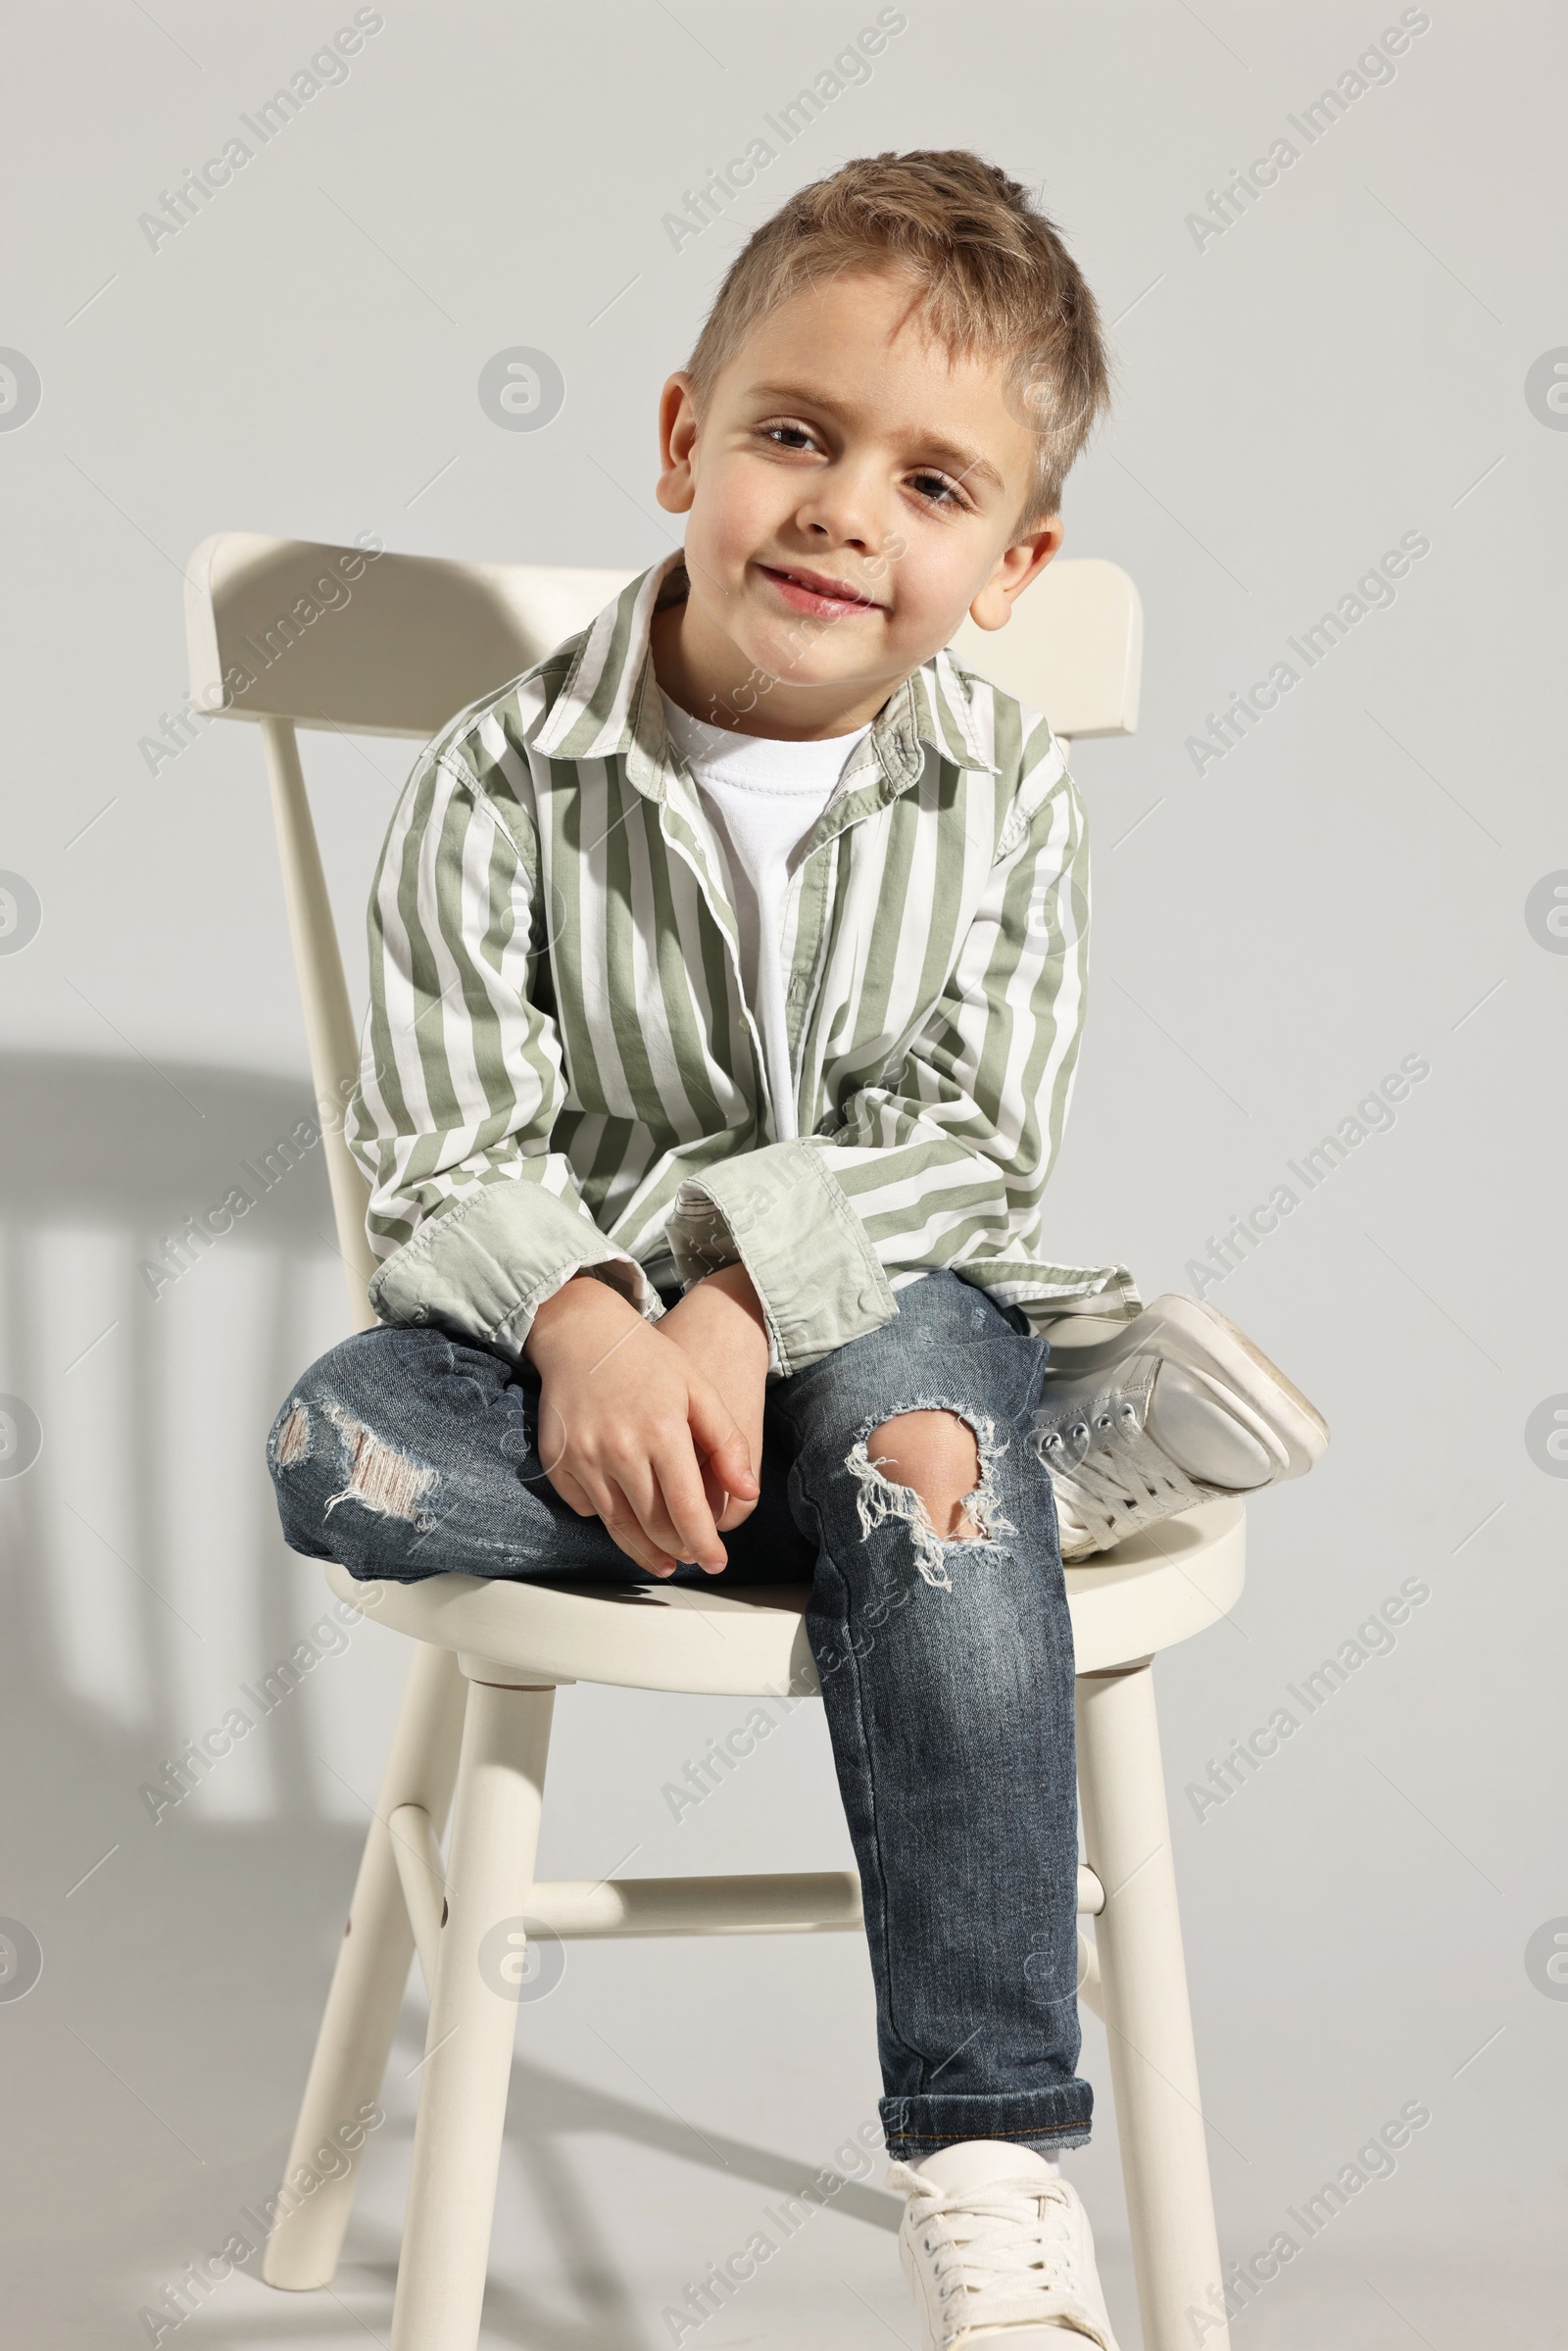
x=937, y=488
x=789, y=436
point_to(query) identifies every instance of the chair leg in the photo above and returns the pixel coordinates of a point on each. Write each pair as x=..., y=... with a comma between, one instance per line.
x=468, y=2070
x=367, y=1982
x=1144, y=1989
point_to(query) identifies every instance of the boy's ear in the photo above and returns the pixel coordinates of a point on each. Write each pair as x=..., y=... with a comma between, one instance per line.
x=1023, y=562
x=677, y=445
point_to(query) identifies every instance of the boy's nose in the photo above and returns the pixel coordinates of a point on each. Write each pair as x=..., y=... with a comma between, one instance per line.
x=835, y=531
x=842, y=512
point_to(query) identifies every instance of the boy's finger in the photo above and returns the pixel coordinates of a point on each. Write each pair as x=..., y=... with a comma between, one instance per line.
x=717, y=1436
x=735, y=1511
x=729, y=1510
x=680, y=1505
x=715, y=1491
x=637, y=1488
x=625, y=1526
x=572, y=1492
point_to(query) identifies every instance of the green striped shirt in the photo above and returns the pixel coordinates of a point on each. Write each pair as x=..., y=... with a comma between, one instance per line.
x=561, y=1071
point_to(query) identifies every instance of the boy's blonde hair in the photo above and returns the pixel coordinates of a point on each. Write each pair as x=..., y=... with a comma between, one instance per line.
x=992, y=276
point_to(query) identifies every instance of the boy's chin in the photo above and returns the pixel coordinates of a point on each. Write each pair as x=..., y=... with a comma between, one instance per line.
x=835, y=655
x=793, y=681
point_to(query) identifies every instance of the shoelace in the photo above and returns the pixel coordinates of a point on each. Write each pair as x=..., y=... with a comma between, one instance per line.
x=1110, y=1478
x=1013, y=2257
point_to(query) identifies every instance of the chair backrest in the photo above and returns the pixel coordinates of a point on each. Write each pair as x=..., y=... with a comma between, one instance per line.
x=398, y=644
x=291, y=634
x=378, y=644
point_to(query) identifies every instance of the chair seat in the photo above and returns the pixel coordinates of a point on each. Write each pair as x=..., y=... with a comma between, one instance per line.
x=1157, y=1588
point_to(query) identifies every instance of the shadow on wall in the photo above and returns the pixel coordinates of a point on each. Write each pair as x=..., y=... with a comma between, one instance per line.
x=135, y=1145
x=169, y=1265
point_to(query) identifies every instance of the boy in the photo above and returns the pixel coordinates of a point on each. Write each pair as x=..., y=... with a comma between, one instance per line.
x=727, y=975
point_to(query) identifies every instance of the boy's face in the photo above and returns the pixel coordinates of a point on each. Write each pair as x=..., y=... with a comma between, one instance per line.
x=852, y=492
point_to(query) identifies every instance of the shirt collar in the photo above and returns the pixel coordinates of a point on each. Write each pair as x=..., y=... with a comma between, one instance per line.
x=608, y=705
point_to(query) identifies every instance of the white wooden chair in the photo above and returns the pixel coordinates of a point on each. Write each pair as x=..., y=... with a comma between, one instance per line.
x=294, y=635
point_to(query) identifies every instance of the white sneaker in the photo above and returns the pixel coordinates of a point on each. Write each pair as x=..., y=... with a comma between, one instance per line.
x=1140, y=1419
x=997, y=2249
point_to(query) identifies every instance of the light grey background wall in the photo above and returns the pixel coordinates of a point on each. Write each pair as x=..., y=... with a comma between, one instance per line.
x=1363, y=350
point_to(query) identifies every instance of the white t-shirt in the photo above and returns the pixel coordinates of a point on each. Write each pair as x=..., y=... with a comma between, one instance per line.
x=763, y=796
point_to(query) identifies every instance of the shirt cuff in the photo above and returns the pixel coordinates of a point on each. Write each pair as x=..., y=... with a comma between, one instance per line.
x=782, y=1214
x=482, y=1267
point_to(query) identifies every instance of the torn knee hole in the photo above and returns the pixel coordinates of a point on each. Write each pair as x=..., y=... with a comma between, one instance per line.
x=378, y=1475
x=935, y=1455
x=974, y=1515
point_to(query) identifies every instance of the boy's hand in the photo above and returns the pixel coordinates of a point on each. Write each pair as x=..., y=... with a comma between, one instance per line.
x=719, y=1325
x=632, y=1430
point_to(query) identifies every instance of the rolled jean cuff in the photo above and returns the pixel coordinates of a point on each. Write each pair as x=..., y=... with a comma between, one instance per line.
x=1045, y=2118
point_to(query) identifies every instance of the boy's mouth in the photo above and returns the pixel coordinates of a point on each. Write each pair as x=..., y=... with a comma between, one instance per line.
x=814, y=592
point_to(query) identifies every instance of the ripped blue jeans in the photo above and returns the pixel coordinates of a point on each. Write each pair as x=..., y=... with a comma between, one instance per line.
x=946, y=1664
